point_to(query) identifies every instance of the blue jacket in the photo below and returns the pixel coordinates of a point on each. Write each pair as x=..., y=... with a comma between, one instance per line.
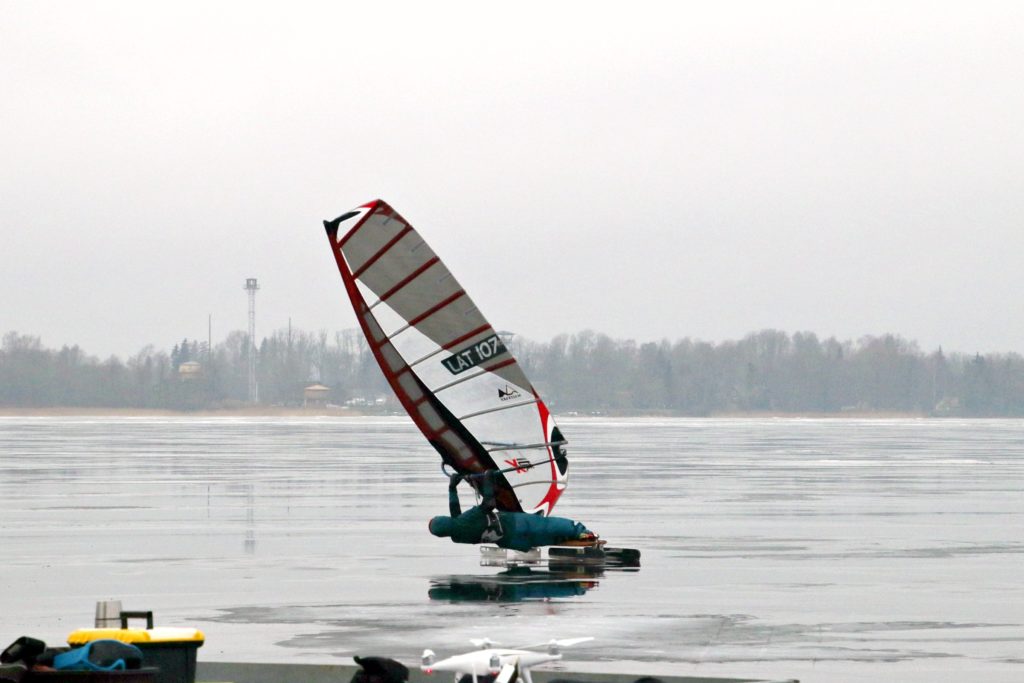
x=518, y=530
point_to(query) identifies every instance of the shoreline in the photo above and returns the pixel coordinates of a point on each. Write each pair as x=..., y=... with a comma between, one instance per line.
x=338, y=412
x=251, y=411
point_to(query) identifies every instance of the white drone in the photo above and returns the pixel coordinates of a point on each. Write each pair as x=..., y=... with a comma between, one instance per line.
x=506, y=664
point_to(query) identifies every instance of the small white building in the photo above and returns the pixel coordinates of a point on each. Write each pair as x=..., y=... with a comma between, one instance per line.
x=190, y=369
x=315, y=395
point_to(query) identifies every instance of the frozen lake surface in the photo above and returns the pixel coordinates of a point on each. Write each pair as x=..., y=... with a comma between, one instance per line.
x=826, y=550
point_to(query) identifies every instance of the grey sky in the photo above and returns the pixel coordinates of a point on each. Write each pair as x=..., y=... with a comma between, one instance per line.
x=666, y=170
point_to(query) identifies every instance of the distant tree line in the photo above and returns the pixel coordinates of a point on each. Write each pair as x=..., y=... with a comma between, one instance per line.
x=286, y=362
x=769, y=371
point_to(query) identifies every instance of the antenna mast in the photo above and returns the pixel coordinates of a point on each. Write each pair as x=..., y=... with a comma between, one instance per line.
x=251, y=287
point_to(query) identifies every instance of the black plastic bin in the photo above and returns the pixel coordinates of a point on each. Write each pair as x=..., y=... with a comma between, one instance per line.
x=144, y=675
x=176, y=660
x=171, y=650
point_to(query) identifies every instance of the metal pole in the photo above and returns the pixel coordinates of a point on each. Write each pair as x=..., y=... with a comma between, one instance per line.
x=251, y=286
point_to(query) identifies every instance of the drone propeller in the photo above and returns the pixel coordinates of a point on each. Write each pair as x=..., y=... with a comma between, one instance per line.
x=483, y=643
x=569, y=642
x=555, y=646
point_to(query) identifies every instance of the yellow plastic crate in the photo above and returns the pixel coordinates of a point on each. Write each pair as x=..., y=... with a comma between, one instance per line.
x=134, y=636
x=169, y=649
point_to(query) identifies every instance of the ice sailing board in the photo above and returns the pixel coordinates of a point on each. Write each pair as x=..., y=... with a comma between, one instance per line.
x=448, y=366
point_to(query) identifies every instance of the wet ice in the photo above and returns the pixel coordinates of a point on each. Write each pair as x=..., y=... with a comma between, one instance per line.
x=818, y=549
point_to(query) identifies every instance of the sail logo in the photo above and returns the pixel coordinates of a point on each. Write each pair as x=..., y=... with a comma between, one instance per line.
x=508, y=393
x=520, y=464
x=474, y=355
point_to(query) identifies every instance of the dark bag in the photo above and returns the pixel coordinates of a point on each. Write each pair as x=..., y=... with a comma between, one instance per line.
x=12, y=673
x=24, y=650
x=46, y=659
x=380, y=670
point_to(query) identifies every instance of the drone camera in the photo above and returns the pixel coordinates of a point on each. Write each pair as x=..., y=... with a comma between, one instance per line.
x=427, y=660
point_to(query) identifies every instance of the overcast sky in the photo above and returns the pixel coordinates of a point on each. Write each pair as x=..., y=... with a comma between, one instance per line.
x=646, y=170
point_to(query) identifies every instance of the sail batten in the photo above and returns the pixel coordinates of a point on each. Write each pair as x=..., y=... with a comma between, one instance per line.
x=448, y=367
x=496, y=409
x=467, y=378
x=528, y=446
x=383, y=250
x=440, y=306
x=467, y=336
x=426, y=357
x=406, y=280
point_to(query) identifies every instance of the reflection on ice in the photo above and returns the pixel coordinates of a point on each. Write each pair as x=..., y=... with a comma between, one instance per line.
x=517, y=584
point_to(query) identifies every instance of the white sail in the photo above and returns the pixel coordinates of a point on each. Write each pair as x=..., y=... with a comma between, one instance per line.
x=448, y=366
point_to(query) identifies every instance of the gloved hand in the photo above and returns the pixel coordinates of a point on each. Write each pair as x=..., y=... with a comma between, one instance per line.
x=454, y=480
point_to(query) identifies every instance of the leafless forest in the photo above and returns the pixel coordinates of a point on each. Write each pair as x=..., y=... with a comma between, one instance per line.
x=586, y=373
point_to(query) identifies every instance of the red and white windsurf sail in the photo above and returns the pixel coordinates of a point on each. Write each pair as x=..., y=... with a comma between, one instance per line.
x=449, y=368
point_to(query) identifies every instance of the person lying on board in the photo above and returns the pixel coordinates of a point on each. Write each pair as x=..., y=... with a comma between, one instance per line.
x=513, y=530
